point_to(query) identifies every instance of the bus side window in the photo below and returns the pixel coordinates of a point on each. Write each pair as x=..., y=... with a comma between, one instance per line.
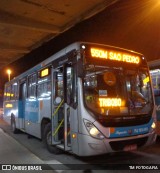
x=8, y=92
x=14, y=91
x=32, y=81
x=44, y=89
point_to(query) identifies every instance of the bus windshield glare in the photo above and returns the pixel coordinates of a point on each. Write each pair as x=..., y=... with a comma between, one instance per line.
x=113, y=91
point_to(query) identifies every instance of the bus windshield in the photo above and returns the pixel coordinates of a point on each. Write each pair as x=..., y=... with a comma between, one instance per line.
x=116, y=91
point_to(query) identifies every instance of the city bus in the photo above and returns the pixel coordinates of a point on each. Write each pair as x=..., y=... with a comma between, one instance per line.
x=87, y=99
x=155, y=75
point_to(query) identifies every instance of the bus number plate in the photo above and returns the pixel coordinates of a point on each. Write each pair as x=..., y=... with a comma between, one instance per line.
x=130, y=147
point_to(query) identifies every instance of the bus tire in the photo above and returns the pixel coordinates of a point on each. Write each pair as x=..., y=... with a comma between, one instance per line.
x=13, y=126
x=47, y=140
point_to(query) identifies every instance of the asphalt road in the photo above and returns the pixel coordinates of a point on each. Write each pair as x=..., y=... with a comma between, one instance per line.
x=64, y=161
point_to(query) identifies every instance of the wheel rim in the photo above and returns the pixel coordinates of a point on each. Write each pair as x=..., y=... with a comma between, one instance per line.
x=49, y=138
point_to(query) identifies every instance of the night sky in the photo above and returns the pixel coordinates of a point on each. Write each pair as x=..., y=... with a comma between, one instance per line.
x=130, y=24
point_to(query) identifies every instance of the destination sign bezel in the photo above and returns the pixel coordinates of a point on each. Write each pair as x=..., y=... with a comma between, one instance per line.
x=112, y=56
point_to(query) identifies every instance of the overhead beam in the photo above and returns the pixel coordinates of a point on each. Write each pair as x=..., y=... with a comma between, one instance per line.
x=89, y=13
x=4, y=60
x=12, y=48
x=98, y=8
x=14, y=20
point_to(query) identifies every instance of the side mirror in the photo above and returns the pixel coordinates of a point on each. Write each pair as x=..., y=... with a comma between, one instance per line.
x=80, y=68
x=57, y=100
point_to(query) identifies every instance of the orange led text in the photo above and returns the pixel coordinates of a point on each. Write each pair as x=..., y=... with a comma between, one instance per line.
x=110, y=102
x=114, y=55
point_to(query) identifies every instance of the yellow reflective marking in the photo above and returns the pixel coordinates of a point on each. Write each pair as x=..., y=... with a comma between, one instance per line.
x=55, y=132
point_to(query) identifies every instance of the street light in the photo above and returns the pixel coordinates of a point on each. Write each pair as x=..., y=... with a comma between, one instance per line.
x=9, y=74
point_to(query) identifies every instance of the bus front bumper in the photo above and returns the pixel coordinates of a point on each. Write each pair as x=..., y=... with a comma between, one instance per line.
x=89, y=146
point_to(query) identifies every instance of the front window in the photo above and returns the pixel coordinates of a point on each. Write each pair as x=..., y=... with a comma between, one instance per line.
x=139, y=92
x=114, y=92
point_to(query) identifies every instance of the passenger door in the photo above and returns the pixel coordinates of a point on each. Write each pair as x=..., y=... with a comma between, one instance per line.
x=62, y=84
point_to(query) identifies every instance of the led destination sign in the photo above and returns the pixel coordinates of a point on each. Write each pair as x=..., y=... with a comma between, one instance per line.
x=44, y=72
x=114, y=55
x=110, y=102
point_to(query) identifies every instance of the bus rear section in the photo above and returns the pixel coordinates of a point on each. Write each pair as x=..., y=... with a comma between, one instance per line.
x=88, y=99
x=155, y=75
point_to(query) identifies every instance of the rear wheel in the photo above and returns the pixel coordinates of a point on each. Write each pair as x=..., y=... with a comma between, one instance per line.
x=48, y=139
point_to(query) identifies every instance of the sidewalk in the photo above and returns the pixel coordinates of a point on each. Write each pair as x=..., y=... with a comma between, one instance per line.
x=11, y=152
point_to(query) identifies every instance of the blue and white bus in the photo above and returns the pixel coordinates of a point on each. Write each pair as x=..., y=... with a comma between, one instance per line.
x=87, y=99
x=155, y=75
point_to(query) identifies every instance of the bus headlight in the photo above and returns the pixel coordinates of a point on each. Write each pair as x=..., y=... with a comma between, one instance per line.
x=93, y=131
x=153, y=125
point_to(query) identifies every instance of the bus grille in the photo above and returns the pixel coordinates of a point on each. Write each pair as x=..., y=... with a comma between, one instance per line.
x=119, y=145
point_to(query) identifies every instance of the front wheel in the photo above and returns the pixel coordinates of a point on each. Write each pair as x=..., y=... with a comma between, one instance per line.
x=48, y=139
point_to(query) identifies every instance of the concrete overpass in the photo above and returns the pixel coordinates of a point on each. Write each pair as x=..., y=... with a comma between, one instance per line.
x=27, y=24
